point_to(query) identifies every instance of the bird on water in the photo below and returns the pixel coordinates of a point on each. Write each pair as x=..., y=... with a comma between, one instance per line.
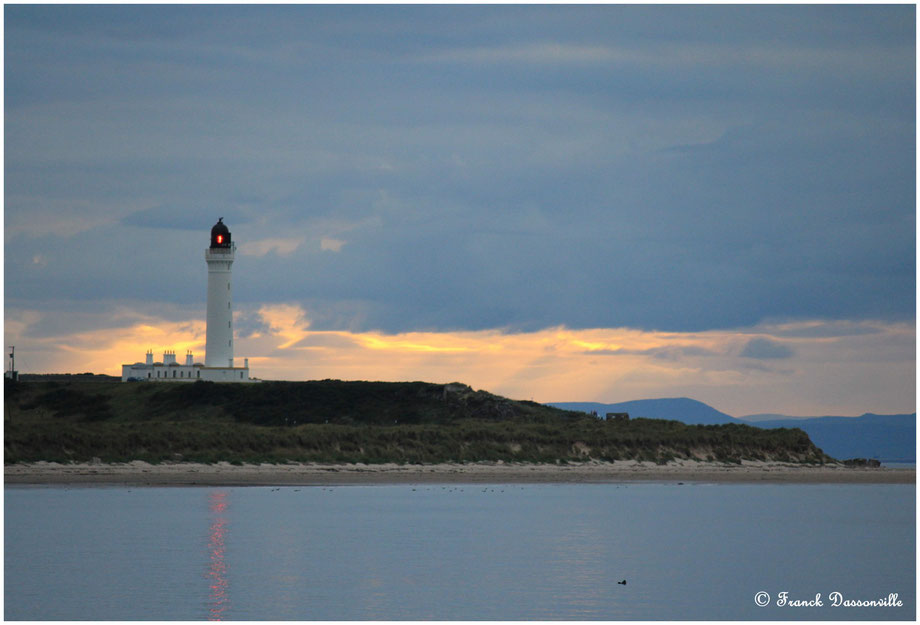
x=623, y=582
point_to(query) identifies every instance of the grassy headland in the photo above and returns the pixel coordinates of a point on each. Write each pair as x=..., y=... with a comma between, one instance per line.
x=80, y=417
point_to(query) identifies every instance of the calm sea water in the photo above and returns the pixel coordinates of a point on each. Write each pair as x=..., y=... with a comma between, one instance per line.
x=458, y=552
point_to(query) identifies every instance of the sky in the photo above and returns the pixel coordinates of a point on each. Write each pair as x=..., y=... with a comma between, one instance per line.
x=558, y=203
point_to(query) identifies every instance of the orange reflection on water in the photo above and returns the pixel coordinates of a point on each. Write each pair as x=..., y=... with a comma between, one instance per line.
x=218, y=598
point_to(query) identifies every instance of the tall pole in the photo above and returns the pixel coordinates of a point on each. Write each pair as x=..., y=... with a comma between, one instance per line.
x=9, y=407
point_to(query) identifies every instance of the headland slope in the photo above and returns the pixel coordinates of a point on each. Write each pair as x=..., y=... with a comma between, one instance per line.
x=95, y=429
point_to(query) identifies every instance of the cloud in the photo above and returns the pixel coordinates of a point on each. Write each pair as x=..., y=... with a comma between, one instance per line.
x=99, y=349
x=285, y=321
x=27, y=217
x=849, y=374
x=826, y=329
x=326, y=340
x=763, y=348
x=869, y=61
x=279, y=245
x=502, y=170
x=331, y=245
x=179, y=217
x=678, y=352
x=249, y=324
x=544, y=52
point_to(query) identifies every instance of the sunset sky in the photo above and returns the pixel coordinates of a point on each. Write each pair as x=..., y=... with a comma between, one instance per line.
x=558, y=203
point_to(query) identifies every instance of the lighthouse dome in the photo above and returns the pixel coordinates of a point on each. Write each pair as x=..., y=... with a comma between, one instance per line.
x=220, y=234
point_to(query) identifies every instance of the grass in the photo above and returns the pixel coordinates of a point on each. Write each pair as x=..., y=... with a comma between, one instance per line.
x=78, y=419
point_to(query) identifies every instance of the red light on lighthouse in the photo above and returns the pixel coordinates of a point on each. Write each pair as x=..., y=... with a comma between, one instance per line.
x=220, y=236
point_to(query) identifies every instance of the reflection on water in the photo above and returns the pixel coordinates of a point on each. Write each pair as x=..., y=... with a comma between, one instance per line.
x=589, y=569
x=217, y=573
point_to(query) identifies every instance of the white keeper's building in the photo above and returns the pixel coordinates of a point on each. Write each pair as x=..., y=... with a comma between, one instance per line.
x=218, y=362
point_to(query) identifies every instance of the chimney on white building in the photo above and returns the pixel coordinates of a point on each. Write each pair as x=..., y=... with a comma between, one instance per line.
x=169, y=357
x=188, y=358
x=149, y=356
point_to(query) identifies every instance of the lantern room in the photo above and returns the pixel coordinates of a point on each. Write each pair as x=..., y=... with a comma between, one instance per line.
x=220, y=235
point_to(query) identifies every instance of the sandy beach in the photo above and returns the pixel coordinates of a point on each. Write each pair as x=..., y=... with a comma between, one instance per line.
x=225, y=474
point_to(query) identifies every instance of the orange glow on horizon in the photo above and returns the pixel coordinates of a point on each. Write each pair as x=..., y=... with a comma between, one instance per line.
x=823, y=374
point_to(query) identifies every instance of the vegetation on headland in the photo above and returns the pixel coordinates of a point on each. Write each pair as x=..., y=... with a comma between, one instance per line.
x=81, y=417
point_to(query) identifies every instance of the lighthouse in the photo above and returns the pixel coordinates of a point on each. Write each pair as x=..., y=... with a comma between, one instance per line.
x=218, y=361
x=219, y=256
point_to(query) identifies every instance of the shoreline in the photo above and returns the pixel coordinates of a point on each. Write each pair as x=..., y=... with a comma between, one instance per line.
x=138, y=473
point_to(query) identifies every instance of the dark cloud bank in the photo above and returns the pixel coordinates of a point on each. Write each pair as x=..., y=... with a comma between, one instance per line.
x=674, y=168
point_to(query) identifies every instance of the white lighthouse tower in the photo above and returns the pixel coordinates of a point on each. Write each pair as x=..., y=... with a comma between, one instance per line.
x=219, y=256
x=218, y=361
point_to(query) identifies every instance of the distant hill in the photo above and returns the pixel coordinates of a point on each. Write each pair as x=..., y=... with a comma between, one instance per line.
x=889, y=438
x=755, y=418
x=683, y=409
